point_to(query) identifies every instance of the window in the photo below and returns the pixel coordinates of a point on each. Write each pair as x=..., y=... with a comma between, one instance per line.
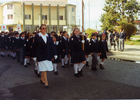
x=27, y=16
x=44, y=17
x=73, y=18
x=28, y=28
x=10, y=16
x=10, y=6
x=73, y=9
x=60, y=17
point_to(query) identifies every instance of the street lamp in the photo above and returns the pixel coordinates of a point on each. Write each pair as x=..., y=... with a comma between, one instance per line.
x=18, y=17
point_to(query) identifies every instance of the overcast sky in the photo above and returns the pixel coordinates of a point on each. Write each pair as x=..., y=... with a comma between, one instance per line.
x=93, y=11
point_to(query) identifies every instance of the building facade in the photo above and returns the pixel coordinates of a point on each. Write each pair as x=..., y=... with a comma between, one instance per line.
x=56, y=14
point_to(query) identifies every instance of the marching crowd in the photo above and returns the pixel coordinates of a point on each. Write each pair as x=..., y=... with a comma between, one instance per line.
x=47, y=50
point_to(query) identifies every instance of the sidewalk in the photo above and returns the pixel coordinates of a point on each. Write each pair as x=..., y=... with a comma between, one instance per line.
x=131, y=52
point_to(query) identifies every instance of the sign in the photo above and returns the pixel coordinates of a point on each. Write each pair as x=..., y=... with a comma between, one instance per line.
x=3, y=27
x=19, y=28
x=45, y=21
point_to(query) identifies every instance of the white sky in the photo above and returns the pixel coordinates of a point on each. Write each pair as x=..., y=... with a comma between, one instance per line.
x=94, y=7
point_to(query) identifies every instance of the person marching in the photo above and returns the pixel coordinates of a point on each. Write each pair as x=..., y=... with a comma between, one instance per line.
x=2, y=43
x=36, y=69
x=13, y=53
x=56, y=61
x=9, y=44
x=27, y=51
x=17, y=46
x=87, y=50
x=44, y=53
x=102, y=50
x=94, y=49
x=77, y=54
x=65, y=46
x=21, y=47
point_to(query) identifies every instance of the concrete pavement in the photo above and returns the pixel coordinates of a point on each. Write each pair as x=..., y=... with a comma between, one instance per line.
x=119, y=80
x=131, y=52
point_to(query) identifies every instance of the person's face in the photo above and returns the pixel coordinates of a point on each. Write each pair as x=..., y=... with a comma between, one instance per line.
x=43, y=29
x=113, y=32
x=65, y=34
x=23, y=35
x=52, y=34
x=2, y=33
x=120, y=30
x=94, y=37
x=87, y=35
x=77, y=32
x=54, y=39
x=61, y=34
x=103, y=37
x=17, y=35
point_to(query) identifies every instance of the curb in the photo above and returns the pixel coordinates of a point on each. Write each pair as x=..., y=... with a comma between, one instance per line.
x=118, y=59
x=124, y=53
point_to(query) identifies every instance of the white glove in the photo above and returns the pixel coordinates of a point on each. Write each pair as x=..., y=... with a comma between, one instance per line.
x=34, y=59
x=57, y=43
x=55, y=57
x=83, y=41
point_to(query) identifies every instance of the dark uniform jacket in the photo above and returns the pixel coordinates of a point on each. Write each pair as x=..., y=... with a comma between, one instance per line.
x=43, y=51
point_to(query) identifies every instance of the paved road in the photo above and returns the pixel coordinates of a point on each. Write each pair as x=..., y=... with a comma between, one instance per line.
x=120, y=80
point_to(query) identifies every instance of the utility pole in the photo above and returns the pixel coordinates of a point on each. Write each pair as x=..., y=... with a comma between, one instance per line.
x=82, y=16
x=89, y=13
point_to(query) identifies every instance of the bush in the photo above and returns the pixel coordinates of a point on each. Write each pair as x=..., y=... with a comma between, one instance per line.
x=129, y=29
x=89, y=32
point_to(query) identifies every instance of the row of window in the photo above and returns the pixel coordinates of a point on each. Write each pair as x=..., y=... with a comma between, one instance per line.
x=44, y=17
x=10, y=6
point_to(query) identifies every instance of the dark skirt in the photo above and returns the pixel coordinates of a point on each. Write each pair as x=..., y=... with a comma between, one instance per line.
x=57, y=60
x=2, y=46
x=103, y=55
x=77, y=57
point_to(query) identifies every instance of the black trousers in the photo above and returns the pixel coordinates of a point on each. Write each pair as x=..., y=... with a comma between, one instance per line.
x=94, y=59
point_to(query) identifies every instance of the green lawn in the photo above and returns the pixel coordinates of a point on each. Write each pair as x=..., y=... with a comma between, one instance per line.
x=132, y=42
x=136, y=36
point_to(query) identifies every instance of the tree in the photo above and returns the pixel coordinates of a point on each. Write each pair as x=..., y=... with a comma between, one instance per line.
x=89, y=32
x=118, y=10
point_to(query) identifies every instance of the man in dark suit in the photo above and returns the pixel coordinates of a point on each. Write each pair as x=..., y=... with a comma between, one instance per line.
x=122, y=37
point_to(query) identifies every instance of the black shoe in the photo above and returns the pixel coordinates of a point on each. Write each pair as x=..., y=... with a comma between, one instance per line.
x=21, y=63
x=2, y=55
x=67, y=65
x=25, y=66
x=28, y=63
x=8, y=55
x=42, y=82
x=17, y=60
x=87, y=64
x=101, y=66
x=55, y=73
x=38, y=75
x=80, y=73
x=76, y=75
x=94, y=68
x=35, y=71
x=14, y=57
x=63, y=66
x=46, y=86
x=71, y=65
